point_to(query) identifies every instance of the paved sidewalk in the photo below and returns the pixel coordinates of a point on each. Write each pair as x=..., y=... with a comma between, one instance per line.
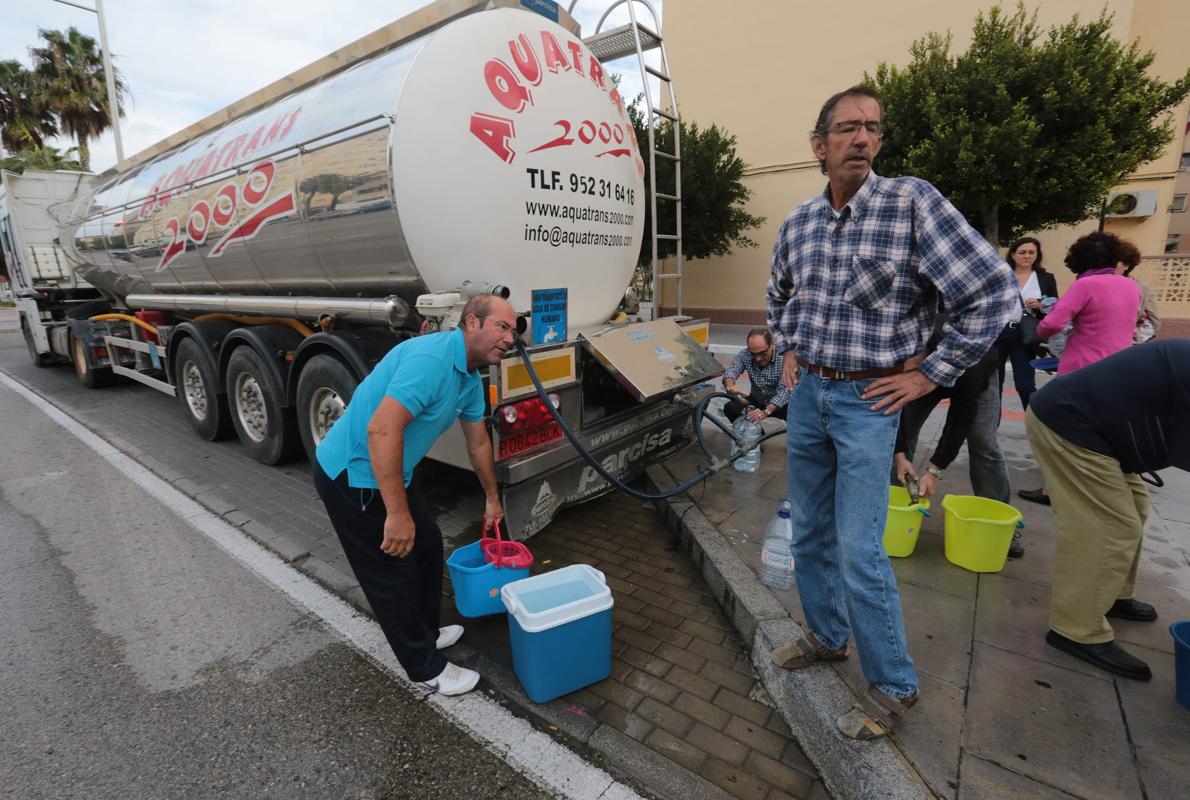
x=1003, y=715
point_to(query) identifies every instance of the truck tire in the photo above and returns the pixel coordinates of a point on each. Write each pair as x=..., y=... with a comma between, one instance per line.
x=91, y=377
x=197, y=392
x=266, y=429
x=38, y=359
x=324, y=388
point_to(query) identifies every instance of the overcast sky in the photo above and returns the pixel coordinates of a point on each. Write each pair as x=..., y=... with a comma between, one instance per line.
x=185, y=60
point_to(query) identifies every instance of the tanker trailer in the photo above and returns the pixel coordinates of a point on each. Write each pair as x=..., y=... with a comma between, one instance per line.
x=259, y=263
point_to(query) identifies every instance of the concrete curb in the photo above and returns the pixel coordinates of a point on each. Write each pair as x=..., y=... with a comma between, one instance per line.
x=809, y=700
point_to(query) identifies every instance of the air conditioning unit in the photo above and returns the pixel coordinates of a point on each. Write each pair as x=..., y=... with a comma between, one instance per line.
x=1135, y=203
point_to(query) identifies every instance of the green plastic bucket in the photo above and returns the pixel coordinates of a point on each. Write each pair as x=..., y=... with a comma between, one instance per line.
x=978, y=532
x=903, y=523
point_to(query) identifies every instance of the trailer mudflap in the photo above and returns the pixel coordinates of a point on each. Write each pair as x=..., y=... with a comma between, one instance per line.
x=531, y=504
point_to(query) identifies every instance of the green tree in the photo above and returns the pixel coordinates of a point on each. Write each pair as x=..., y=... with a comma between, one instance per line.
x=71, y=82
x=331, y=183
x=24, y=121
x=714, y=218
x=48, y=158
x=1025, y=131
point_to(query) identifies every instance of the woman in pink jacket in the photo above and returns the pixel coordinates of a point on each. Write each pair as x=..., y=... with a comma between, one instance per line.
x=1103, y=305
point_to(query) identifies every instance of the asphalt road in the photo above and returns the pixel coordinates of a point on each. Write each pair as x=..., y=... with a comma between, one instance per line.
x=137, y=659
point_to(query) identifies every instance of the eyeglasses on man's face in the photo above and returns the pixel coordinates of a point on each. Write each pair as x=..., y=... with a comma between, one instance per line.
x=849, y=127
x=499, y=324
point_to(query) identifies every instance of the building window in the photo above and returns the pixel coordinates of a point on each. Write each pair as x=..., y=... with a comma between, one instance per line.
x=1178, y=205
x=1186, y=161
x=1173, y=242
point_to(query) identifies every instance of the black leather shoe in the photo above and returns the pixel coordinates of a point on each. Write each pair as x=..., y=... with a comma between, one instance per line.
x=1108, y=656
x=1132, y=609
x=1034, y=496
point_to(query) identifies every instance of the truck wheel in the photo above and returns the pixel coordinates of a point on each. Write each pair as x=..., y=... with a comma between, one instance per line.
x=323, y=391
x=268, y=431
x=38, y=359
x=91, y=377
x=197, y=393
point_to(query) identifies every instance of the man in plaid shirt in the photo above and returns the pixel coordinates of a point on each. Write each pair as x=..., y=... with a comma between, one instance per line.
x=858, y=275
x=768, y=394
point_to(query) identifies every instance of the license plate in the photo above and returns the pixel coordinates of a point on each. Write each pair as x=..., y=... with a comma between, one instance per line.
x=519, y=442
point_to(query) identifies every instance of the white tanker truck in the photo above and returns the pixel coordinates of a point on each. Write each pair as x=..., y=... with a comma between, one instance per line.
x=258, y=264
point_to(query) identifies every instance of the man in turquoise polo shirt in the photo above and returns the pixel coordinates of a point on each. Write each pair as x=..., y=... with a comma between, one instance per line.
x=364, y=475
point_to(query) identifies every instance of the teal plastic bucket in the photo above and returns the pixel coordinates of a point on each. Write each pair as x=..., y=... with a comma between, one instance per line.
x=1181, y=656
x=477, y=582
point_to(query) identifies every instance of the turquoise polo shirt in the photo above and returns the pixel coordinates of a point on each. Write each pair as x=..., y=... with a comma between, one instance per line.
x=428, y=376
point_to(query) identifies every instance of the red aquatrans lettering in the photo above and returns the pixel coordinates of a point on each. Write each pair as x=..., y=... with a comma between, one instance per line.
x=505, y=87
x=555, y=59
x=525, y=59
x=495, y=132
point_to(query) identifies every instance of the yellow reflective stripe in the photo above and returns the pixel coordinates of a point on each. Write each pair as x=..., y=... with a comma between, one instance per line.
x=700, y=333
x=549, y=369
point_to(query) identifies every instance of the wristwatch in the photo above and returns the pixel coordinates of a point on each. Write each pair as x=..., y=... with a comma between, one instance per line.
x=937, y=473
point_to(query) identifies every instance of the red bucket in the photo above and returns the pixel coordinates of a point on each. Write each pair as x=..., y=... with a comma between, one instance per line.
x=504, y=552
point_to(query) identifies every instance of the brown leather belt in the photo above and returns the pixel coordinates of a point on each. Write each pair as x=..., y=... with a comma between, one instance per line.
x=838, y=375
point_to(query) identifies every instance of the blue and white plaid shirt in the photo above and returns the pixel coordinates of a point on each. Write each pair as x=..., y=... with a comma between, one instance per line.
x=766, y=380
x=858, y=289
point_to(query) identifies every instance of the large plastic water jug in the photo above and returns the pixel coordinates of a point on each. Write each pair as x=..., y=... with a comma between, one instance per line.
x=776, y=554
x=747, y=434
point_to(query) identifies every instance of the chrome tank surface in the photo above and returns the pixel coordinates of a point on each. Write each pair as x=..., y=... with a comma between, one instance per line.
x=491, y=149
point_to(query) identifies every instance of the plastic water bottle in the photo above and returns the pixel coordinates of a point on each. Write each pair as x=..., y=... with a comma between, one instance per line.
x=747, y=433
x=776, y=556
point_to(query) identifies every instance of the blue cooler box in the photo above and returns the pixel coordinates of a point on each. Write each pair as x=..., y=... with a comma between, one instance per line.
x=560, y=624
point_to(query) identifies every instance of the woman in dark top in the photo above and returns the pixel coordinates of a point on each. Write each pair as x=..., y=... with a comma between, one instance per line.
x=1034, y=283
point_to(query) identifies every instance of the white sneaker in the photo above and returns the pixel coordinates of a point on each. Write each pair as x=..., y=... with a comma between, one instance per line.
x=453, y=680
x=448, y=636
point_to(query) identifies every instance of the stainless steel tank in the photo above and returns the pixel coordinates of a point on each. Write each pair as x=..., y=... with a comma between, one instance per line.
x=494, y=148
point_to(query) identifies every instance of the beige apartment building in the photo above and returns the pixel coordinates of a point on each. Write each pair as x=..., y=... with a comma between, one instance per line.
x=763, y=68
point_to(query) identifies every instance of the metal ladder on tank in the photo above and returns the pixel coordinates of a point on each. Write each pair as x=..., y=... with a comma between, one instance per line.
x=639, y=39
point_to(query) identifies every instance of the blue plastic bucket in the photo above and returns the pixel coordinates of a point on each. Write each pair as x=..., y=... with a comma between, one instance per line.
x=477, y=582
x=560, y=625
x=1181, y=657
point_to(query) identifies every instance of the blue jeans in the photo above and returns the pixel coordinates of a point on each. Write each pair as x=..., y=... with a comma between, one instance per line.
x=840, y=455
x=989, y=470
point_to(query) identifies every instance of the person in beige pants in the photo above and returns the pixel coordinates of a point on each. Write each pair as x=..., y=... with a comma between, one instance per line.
x=1100, y=513
x=1094, y=431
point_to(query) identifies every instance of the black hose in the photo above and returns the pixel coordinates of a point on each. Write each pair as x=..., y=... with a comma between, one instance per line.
x=697, y=413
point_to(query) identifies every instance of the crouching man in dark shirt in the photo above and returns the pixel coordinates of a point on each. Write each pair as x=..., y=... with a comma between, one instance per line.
x=1093, y=432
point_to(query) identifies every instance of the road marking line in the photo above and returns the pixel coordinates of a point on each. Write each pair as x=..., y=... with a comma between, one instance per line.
x=550, y=765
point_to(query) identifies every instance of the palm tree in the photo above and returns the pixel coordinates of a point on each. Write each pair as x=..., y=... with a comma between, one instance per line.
x=47, y=158
x=70, y=79
x=24, y=122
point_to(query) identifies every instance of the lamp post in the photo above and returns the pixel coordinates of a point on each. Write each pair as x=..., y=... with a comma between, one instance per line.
x=108, y=74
